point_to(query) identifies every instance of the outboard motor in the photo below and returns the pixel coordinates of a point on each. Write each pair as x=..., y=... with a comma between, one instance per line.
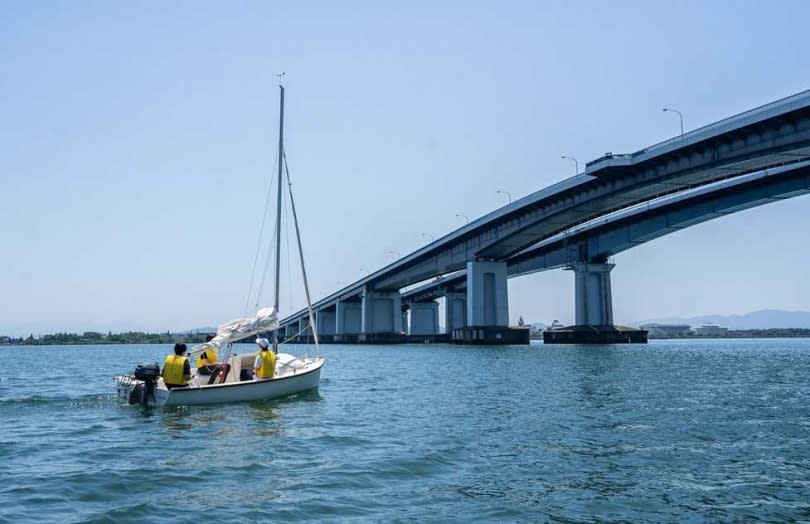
x=149, y=373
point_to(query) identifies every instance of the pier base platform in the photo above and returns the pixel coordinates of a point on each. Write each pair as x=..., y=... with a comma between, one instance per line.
x=595, y=335
x=490, y=336
x=442, y=338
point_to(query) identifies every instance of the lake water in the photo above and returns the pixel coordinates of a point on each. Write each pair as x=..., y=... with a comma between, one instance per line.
x=714, y=430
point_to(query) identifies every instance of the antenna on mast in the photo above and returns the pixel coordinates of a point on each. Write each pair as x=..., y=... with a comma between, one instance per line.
x=279, y=77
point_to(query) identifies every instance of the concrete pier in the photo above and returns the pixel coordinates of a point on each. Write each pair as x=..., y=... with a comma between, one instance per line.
x=381, y=317
x=348, y=321
x=487, y=300
x=455, y=311
x=326, y=321
x=424, y=318
x=594, y=311
x=487, y=314
x=593, y=299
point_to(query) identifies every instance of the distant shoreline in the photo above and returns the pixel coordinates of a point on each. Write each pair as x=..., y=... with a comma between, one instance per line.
x=95, y=338
x=747, y=333
x=90, y=338
x=737, y=333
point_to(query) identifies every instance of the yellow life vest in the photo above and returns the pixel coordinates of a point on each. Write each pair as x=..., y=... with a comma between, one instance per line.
x=173, y=370
x=268, y=366
x=211, y=358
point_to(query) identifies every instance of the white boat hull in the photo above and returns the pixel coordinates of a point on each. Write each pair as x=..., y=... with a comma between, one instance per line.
x=258, y=389
x=287, y=382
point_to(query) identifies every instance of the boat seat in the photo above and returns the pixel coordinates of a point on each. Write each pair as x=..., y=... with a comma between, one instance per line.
x=238, y=363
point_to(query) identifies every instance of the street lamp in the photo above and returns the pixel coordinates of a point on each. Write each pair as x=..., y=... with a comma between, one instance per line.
x=576, y=162
x=395, y=253
x=679, y=116
x=429, y=236
x=464, y=217
x=507, y=193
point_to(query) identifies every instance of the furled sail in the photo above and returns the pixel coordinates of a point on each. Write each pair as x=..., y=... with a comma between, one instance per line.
x=266, y=319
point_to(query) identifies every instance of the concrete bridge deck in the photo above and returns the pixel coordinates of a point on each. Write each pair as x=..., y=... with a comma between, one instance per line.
x=524, y=236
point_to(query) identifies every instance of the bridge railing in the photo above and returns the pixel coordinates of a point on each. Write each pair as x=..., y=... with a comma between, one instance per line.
x=771, y=109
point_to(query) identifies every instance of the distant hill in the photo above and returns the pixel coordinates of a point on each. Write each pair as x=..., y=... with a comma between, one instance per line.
x=764, y=319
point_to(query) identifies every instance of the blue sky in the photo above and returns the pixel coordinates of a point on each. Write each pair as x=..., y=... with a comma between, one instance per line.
x=138, y=141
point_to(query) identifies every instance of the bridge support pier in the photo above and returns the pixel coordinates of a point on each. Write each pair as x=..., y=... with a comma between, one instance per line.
x=593, y=298
x=487, y=300
x=381, y=317
x=487, y=316
x=348, y=321
x=455, y=311
x=304, y=334
x=326, y=324
x=289, y=330
x=594, y=311
x=424, y=318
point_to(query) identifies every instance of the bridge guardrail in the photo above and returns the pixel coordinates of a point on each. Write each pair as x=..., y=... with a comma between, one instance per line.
x=783, y=105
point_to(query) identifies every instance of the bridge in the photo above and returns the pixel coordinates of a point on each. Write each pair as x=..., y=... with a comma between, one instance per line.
x=620, y=201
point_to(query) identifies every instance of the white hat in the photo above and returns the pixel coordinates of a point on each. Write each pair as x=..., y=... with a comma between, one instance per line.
x=263, y=342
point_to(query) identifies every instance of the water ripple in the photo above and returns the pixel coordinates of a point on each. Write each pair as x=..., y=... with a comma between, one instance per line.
x=699, y=430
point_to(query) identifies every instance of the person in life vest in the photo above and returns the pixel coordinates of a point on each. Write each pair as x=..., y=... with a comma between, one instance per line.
x=176, y=369
x=207, y=361
x=265, y=364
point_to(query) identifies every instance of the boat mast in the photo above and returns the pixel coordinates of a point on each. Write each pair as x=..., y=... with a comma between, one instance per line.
x=278, y=207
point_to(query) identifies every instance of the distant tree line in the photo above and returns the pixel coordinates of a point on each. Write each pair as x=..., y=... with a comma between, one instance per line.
x=94, y=337
x=754, y=333
x=763, y=333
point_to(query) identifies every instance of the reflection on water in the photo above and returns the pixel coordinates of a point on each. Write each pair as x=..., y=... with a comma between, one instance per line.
x=177, y=419
x=262, y=419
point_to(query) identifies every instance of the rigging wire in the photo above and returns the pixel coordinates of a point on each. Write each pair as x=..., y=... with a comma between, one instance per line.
x=270, y=252
x=303, y=265
x=289, y=264
x=259, y=242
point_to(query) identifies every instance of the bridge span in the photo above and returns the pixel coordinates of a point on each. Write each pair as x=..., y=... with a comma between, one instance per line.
x=586, y=249
x=618, y=202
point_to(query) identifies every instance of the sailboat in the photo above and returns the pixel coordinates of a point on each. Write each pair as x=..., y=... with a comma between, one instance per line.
x=293, y=374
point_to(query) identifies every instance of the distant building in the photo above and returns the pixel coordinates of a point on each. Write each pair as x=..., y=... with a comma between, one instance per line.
x=710, y=330
x=666, y=330
x=556, y=324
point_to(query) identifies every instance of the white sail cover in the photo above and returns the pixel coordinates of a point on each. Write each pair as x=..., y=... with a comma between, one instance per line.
x=266, y=319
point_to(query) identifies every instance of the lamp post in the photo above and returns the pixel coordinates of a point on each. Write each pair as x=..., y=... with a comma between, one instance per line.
x=576, y=162
x=680, y=116
x=429, y=236
x=464, y=217
x=395, y=253
x=507, y=193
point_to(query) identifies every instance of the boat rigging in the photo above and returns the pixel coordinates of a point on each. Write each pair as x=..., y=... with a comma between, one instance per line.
x=234, y=381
